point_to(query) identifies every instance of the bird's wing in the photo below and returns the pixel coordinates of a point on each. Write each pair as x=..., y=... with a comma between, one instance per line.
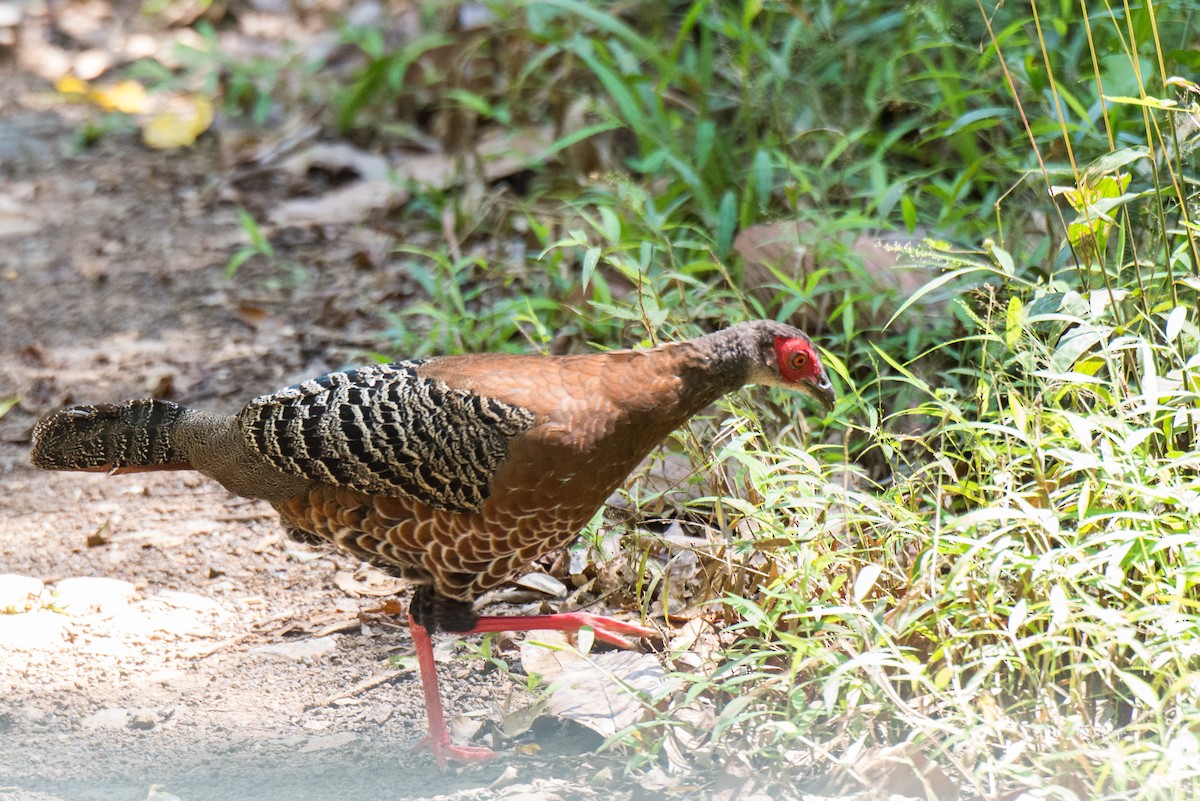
x=386, y=430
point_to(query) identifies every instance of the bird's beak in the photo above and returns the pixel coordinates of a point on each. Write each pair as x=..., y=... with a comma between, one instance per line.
x=822, y=392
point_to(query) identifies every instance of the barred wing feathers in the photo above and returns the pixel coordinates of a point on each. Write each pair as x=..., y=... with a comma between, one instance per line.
x=386, y=430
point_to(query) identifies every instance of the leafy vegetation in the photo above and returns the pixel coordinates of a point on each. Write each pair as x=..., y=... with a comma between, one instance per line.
x=986, y=559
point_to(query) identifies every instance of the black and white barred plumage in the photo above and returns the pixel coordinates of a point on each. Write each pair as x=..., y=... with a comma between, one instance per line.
x=116, y=435
x=386, y=430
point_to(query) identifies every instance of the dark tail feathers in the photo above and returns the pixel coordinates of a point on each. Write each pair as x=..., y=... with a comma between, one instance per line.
x=139, y=434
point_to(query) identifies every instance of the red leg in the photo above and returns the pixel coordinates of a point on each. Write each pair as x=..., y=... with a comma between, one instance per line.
x=438, y=739
x=606, y=628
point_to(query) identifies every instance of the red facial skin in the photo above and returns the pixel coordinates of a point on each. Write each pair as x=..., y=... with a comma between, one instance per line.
x=798, y=360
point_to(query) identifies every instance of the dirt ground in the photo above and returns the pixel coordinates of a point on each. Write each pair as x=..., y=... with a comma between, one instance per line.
x=207, y=660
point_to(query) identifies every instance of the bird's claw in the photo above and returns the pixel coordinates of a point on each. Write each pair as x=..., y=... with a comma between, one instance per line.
x=610, y=630
x=445, y=751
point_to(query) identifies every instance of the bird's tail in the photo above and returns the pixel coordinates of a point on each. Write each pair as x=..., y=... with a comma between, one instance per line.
x=128, y=437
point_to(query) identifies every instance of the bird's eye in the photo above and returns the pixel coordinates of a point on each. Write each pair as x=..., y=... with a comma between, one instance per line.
x=797, y=361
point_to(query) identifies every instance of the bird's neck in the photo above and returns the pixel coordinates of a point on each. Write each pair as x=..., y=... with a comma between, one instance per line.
x=710, y=367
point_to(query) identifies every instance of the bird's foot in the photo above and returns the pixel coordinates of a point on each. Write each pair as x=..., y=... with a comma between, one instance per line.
x=445, y=751
x=608, y=629
x=438, y=739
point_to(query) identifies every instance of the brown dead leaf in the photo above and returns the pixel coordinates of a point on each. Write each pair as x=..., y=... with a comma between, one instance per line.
x=337, y=157
x=546, y=654
x=252, y=149
x=368, y=581
x=390, y=608
x=793, y=249
x=610, y=691
x=737, y=781
x=322, y=624
x=902, y=770
x=377, y=188
x=543, y=583
x=347, y=204
x=687, y=742
x=382, y=180
x=429, y=170
x=101, y=536
x=251, y=314
x=505, y=152
x=510, y=776
x=463, y=729
x=433, y=170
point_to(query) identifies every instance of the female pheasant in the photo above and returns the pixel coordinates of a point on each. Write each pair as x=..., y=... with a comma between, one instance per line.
x=455, y=471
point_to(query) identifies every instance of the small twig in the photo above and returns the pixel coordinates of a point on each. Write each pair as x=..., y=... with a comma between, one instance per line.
x=361, y=687
x=222, y=645
x=259, y=630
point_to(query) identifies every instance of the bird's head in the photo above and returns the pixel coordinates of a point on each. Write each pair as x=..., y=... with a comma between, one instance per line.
x=786, y=357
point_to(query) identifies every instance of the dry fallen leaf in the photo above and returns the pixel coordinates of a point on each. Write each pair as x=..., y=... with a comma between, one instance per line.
x=383, y=180
x=251, y=314
x=14, y=220
x=179, y=125
x=790, y=249
x=543, y=583
x=72, y=87
x=902, y=771
x=546, y=654
x=348, y=204
x=390, y=608
x=337, y=157
x=609, y=692
x=368, y=581
x=101, y=536
x=128, y=97
x=905, y=771
x=507, y=152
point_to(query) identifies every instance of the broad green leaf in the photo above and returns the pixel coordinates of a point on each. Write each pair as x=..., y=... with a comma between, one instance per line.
x=1003, y=259
x=1140, y=688
x=1160, y=104
x=706, y=132
x=726, y=222
x=590, y=259
x=1073, y=345
x=764, y=178
x=1110, y=162
x=1019, y=415
x=1012, y=322
x=908, y=212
